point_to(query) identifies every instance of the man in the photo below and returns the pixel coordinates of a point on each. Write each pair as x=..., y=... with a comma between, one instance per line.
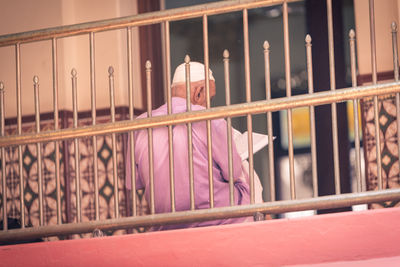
x=181, y=161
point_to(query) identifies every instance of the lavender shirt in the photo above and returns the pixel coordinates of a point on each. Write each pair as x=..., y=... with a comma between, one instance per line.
x=181, y=167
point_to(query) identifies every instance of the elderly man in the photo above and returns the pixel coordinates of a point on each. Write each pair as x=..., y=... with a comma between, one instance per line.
x=180, y=148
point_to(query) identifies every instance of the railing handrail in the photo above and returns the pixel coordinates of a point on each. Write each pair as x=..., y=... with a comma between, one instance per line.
x=274, y=207
x=136, y=20
x=235, y=110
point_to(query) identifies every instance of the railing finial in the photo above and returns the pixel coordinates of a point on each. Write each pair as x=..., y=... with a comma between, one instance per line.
x=352, y=34
x=266, y=45
x=35, y=79
x=111, y=70
x=148, y=64
x=226, y=53
x=394, y=26
x=308, y=39
x=187, y=59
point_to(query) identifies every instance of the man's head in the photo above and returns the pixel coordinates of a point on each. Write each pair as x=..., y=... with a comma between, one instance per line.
x=198, y=85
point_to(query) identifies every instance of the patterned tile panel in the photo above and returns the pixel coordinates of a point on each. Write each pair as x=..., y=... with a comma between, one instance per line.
x=68, y=190
x=388, y=142
x=30, y=180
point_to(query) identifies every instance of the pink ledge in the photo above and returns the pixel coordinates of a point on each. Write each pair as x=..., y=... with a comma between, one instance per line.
x=363, y=237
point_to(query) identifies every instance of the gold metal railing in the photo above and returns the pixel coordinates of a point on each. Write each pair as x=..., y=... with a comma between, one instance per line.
x=234, y=110
x=229, y=111
x=137, y=20
x=325, y=202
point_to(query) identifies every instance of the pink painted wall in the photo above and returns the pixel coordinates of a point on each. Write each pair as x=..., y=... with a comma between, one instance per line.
x=352, y=237
x=73, y=52
x=385, y=13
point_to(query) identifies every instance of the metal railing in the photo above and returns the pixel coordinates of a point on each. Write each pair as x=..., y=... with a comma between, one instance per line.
x=229, y=111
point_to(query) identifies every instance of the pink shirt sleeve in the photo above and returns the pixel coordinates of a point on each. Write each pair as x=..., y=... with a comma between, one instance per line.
x=220, y=150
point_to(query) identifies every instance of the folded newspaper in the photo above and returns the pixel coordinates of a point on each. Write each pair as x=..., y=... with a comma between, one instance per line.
x=241, y=141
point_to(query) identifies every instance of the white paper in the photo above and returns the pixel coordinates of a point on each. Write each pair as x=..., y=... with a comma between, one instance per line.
x=241, y=141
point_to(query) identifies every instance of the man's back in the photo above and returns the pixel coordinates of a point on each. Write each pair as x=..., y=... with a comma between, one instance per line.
x=181, y=166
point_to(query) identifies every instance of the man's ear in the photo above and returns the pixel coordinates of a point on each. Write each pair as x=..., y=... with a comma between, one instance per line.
x=199, y=95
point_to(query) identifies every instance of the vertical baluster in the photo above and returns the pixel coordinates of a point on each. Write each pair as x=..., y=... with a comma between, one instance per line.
x=3, y=158
x=360, y=185
x=113, y=142
x=131, y=117
x=248, y=100
x=335, y=142
x=267, y=75
x=396, y=78
x=169, y=108
x=189, y=133
x=94, y=137
x=150, y=136
x=376, y=104
x=56, y=144
x=395, y=52
x=19, y=132
x=373, y=41
x=38, y=149
x=312, y=117
x=208, y=105
x=76, y=147
x=229, y=126
x=288, y=94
